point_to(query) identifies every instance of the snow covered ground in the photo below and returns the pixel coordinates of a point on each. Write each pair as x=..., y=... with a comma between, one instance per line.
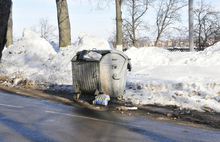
x=184, y=79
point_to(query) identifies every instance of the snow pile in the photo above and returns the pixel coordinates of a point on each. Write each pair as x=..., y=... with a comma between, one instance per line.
x=27, y=54
x=34, y=61
x=183, y=79
x=151, y=56
x=86, y=42
x=55, y=47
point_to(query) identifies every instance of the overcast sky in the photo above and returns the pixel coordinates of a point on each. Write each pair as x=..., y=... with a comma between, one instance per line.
x=27, y=13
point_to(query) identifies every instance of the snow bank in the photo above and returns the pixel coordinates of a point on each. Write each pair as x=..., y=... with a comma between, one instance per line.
x=27, y=53
x=34, y=62
x=184, y=79
x=87, y=42
x=55, y=47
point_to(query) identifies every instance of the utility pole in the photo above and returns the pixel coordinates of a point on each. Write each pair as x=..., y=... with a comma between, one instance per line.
x=191, y=39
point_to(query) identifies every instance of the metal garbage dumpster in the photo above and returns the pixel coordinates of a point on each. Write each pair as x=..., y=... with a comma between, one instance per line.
x=107, y=74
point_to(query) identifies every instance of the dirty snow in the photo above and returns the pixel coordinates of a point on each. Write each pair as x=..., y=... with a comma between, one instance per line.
x=184, y=79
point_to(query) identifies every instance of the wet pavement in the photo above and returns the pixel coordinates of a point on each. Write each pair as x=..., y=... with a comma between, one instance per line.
x=208, y=120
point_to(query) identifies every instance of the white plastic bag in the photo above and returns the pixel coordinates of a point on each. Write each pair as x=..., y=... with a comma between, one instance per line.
x=101, y=99
x=92, y=56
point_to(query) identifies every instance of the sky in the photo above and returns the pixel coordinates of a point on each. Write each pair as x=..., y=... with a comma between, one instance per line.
x=83, y=17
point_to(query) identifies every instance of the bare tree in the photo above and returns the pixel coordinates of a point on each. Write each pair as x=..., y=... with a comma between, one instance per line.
x=179, y=37
x=45, y=30
x=136, y=9
x=207, y=27
x=168, y=12
x=112, y=38
x=63, y=23
x=100, y=4
x=10, y=29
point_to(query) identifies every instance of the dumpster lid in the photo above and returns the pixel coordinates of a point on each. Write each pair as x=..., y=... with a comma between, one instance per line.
x=102, y=52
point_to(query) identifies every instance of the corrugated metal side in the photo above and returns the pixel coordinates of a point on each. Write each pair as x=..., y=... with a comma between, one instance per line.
x=86, y=76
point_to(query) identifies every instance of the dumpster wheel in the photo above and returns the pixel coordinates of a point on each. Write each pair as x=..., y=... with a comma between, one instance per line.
x=76, y=96
x=119, y=98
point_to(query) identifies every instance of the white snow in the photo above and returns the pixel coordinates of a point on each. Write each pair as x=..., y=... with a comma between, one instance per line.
x=184, y=79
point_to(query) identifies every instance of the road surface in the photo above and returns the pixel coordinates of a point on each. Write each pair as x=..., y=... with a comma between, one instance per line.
x=25, y=119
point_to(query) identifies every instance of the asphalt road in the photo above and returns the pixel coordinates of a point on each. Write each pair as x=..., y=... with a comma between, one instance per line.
x=25, y=119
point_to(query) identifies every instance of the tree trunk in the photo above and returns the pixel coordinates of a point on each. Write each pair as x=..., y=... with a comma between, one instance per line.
x=4, y=15
x=200, y=38
x=63, y=23
x=10, y=29
x=119, y=35
x=133, y=24
x=157, y=40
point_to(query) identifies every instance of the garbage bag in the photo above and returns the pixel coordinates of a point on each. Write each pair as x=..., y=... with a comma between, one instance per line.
x=82, y=54
x=92, y=56
x=101, y=99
